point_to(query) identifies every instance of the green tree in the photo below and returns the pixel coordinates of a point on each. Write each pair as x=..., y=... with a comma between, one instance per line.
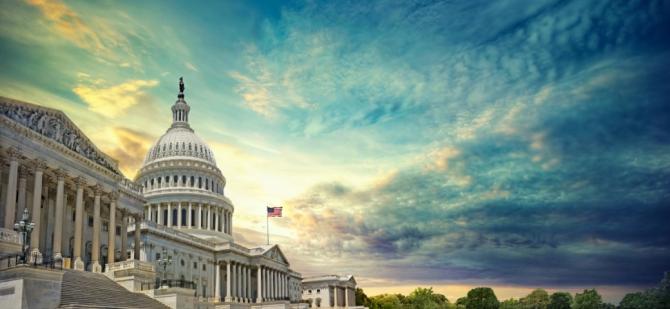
x=537, y=299
x=510, y=304
x=385, y=301
x=425, y=298
x=560, y=300
x=482, y=298
x=462, y=302
x=589, y=299
x=361, y=298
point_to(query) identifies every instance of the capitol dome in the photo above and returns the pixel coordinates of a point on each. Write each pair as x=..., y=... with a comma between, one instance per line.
x=181, y=182
x=180, y=142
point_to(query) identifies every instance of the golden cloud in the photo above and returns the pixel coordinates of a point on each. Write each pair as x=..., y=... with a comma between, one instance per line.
x=130, y=148
x=113, y=101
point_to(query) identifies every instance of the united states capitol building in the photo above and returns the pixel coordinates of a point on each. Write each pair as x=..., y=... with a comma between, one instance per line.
x=100, y=240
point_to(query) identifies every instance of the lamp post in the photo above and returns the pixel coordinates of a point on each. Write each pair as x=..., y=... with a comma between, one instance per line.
x=164, y=261
x=24, y=228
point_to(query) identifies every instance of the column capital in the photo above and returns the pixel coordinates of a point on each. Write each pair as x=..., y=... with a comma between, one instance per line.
x=97, y=190
x=60, y=173
x=14, y=153
x=80, y=182
x=24, y=172
x=39, y=165
x=114, y=196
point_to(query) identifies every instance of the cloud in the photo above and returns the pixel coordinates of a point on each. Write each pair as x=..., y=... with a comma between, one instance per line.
x=190, y=66
x=115, y=100
x=130, y=148
x=95, y=35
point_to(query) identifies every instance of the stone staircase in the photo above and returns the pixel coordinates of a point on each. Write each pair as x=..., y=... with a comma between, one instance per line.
x=82, y=289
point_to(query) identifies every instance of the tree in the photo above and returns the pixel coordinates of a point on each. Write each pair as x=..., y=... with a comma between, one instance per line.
x=361, y=298
x=537, y=299
x=510, y=304
x=425, y=298
x=385, y=301
x=560, y=300
x=589, y=299
x=461, y=302
x=482, y=298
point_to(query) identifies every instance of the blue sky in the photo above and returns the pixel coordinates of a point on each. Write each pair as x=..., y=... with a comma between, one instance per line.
x=515, y=144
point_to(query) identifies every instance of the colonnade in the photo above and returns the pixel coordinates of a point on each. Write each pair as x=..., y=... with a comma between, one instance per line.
x=248, y=283
x=60, y=181
x=191, y=215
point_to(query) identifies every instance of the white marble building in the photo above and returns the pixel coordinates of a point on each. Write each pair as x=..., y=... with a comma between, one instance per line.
x=330, y=291
x=80, y=201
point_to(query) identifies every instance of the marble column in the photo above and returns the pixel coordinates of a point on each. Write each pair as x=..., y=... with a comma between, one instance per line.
x=228, y=281
x=169, y=214
x=230, y=223
x=95, y=251
x=243, y=279
x=199, y=216
x=124, y=236
x=335, y=293
x=159, y=214
x=238, y=286
x=179, y=215
x=23, y=182
x=78, y=223
x=138, y=221
x=249, y=294
x=259, y=285
x=58, y=224
x=111, y=235
x=217, y=280
x=346, y=297
x=10, y=203
x=189, y=215
x=216, y=219
x=35, y=254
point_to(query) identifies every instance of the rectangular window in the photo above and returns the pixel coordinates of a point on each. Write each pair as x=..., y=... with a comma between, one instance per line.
x=105, y=227
x=90, y=221
x=118, y=230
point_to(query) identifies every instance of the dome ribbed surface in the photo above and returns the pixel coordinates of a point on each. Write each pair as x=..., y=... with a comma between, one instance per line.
x=180, y=142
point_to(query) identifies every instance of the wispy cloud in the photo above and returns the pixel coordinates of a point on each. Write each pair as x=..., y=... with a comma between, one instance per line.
x=114, y=100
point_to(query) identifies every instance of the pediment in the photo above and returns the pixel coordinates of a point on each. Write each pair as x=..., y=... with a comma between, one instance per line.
x=56, y=126
x=276, y=255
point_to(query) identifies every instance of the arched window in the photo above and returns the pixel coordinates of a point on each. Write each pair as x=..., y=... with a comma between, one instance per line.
x=174, y=179
x=199, y=182
x=206, y=184
x=192, y=181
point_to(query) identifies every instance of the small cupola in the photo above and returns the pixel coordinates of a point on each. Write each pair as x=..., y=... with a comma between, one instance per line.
x=180, y=109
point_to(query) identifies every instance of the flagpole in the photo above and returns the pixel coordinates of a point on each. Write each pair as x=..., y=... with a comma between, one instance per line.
x=267, y=224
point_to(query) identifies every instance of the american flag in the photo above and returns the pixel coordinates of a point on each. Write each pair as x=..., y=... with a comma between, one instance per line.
x=274, y=211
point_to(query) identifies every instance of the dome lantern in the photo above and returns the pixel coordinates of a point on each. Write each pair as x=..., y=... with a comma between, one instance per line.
x=180, y=109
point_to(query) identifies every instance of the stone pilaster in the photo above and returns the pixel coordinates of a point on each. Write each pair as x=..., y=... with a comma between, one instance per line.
x=138, y=221
x=78, y=224
x=58, y=222
x=12, y=182
x=111, y=235
x=95, y=251
x=124, y=235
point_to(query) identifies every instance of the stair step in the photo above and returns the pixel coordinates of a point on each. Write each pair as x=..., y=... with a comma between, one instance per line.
x=92, y=290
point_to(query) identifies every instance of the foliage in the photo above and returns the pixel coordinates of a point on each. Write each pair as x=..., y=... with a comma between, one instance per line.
x=658, y=297
x=361, y=298
x=482, y=298
x=589, y=299
x=510, y=304
x=425, y=298
x=461, y=302
x=560, y=300
x=537, y=299
x=385, y=301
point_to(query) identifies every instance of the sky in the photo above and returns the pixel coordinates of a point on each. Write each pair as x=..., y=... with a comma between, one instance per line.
x=453, y=144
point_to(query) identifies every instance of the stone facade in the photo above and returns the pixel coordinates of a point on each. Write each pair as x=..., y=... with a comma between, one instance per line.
x=89, y=217
x=330, y=291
